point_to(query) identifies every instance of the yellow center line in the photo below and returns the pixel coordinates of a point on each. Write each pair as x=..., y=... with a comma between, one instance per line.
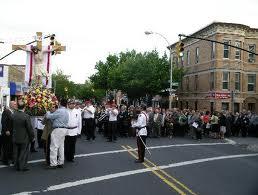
x=157, y=174
x=165, y=173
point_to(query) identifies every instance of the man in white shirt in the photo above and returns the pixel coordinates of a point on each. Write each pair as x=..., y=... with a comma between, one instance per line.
x=88, y=119
x=74, y=129
x=112, y=122
x=141, y=133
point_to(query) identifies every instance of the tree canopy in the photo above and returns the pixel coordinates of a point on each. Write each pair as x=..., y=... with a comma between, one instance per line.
x=137, y=74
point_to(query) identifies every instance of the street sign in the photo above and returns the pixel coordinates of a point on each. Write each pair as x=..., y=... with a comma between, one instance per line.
x=175, y=84
x=168, y=89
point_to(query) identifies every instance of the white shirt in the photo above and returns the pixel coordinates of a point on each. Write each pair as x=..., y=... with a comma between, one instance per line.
x=141, y=122
x=75, y=120
x=89, y=113
x=112, y=115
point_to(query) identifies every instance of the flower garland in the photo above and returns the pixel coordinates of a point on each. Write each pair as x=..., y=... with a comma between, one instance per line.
x=38, y=100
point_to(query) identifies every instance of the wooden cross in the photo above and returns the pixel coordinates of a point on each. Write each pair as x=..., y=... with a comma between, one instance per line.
x=38, y=67
x=57, y=47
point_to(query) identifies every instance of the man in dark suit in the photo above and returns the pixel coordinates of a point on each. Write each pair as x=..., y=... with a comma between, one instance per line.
x=23, y=134
x=7, y=132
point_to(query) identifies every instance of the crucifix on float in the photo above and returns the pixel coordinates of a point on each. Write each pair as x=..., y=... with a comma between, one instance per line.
x=38, y=68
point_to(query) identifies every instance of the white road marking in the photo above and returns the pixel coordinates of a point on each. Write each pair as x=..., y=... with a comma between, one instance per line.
x=120, y=151
x=230, y=141
x=133, y=172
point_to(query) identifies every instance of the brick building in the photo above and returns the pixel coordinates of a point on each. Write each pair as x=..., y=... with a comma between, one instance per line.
x=220, y=77
x=11, y=82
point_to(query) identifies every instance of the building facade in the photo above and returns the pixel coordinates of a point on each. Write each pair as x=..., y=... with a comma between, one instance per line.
x=219, y=77
x=11, y=82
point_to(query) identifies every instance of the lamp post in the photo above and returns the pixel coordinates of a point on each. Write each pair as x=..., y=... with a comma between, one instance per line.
x=171, y=64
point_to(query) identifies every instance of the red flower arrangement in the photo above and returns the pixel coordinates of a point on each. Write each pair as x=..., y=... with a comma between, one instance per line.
x=38, y=100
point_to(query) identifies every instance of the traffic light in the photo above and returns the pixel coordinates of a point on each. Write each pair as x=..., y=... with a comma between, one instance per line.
x=180, y=48
x=52, y=42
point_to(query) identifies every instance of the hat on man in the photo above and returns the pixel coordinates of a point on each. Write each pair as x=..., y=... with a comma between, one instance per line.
x=113, y=105
x=88, y=101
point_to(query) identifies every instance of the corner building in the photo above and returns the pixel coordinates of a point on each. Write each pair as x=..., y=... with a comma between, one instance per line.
x=219, y=77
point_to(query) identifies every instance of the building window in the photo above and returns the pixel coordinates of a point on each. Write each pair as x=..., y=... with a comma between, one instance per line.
x=225, y=80
x=251, y=82
x=238, y=51
x=225, y=106
x=187, y=105
x=226, y=49
x=188, y=57
x=213, y=47
x=212, y=81
x=197, y=55
x=251, y=56
x=187, y=83
x=196, y=82
x=237, y=81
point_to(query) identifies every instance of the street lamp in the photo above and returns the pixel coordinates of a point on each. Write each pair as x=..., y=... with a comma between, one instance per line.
x=171, y=64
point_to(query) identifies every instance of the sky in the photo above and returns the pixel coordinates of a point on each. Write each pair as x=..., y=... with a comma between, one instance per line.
x=91, y=30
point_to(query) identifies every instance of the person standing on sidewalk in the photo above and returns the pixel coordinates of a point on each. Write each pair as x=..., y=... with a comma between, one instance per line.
x=222, y=124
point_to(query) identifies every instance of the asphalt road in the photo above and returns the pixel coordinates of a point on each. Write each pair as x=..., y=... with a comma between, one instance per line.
x=175, y=166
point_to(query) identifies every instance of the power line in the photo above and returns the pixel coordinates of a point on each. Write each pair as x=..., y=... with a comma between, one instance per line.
x=193, y=37
x=25, y=44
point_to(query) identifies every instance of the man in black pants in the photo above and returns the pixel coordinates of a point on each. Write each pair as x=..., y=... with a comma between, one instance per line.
x=88, y=117
x=7, y=133
x=22, y=136
x=74, y=129
x=112, y=122
x=141, y=132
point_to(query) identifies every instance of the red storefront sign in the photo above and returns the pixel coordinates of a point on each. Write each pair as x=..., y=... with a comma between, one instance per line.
x=219, y=95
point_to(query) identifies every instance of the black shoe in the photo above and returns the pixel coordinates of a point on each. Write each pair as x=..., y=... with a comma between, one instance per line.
x=51, y=167
x=32, y=151
x=60, y=166
x=139, y=161
x=109, y=140
x=72, y=160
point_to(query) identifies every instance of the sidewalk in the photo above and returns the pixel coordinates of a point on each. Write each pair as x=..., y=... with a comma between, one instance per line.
x=251, y=143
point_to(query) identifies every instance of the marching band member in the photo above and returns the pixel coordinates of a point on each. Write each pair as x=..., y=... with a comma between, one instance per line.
x=112, y=122
x=141, y=133
x=88, y=119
